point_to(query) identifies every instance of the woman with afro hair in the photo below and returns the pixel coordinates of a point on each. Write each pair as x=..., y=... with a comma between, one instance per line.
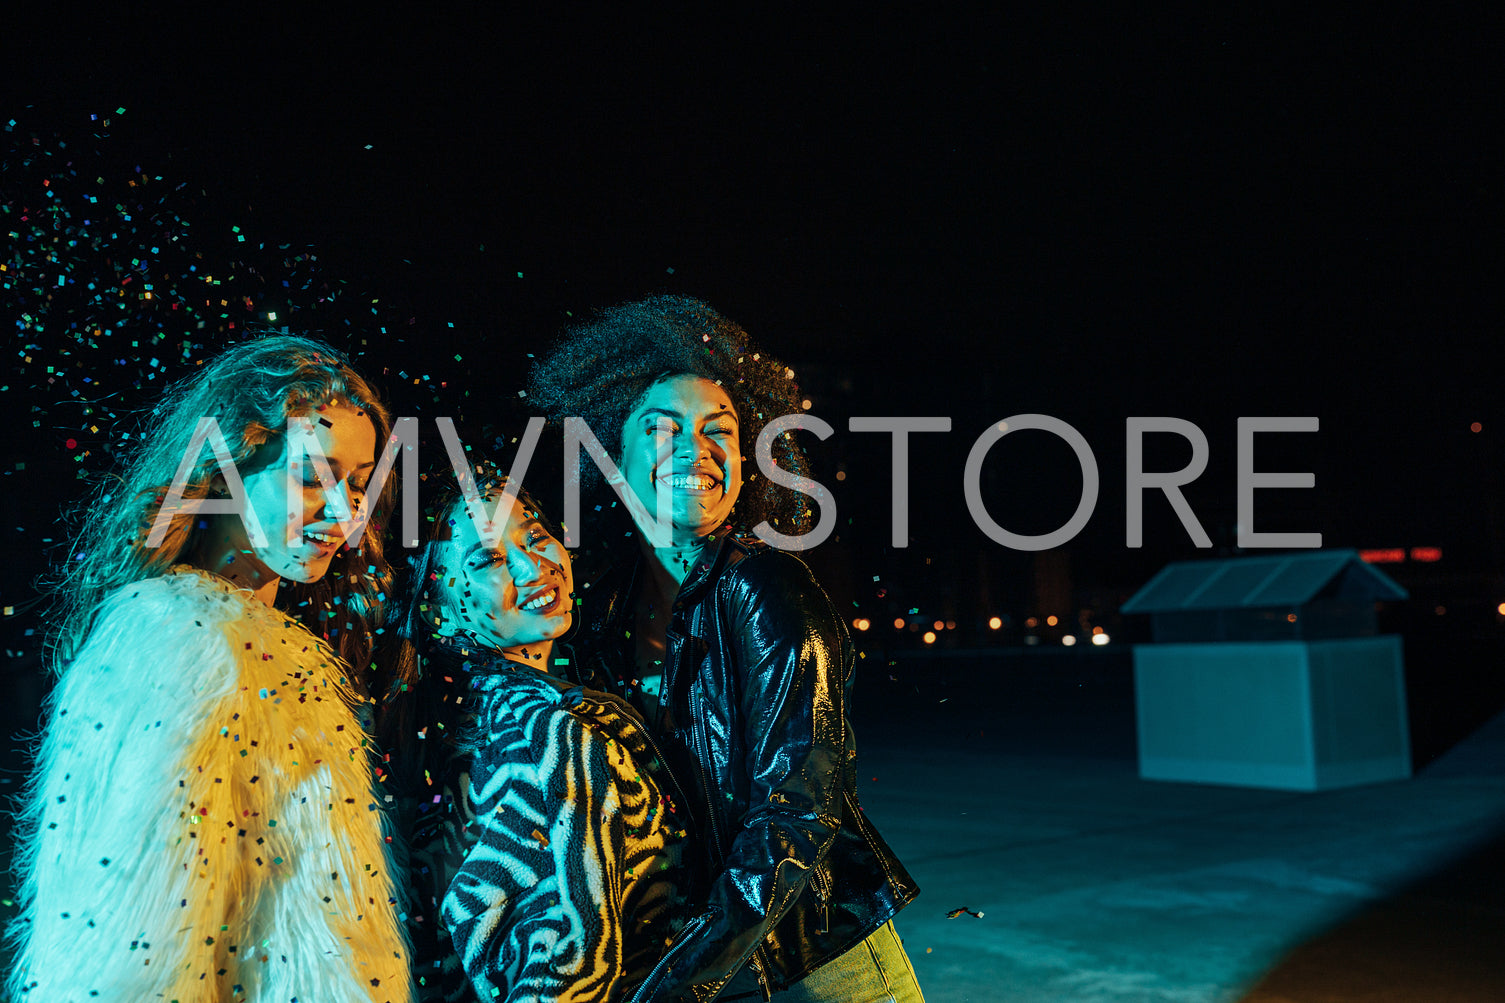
x=736, y=657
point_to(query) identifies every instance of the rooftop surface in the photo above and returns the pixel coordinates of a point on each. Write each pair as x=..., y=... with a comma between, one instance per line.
x=1093, y=886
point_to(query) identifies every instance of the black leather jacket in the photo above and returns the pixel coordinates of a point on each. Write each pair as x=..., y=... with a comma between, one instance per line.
x=757, y=669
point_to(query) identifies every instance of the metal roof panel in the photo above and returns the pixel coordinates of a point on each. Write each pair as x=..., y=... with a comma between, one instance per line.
x=1288, y=579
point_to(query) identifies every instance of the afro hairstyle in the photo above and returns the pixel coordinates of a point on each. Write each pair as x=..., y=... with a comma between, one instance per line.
x=601, y=369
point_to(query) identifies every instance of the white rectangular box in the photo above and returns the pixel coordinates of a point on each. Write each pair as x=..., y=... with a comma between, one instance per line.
x=1292, y=715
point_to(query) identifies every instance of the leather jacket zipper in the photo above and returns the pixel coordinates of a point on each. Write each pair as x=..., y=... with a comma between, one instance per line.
x=702, y=753
x=760, y=958
x=649, y=985
x=822, y=886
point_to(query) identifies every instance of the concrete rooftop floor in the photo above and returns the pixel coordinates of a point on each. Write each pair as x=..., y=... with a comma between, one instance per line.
x=1098, y=887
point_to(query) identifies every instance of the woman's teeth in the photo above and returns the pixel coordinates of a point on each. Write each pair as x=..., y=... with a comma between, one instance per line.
x=309, y=534
x=539, y=602
x=699, y=482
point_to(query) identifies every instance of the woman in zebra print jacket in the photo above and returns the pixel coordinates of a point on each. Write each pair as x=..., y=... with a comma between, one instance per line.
x=544, y=847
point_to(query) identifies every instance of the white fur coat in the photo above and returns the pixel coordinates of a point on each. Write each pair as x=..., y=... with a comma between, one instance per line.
x=201, y=826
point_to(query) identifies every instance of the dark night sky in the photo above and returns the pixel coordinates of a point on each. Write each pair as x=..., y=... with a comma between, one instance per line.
x=974, y=216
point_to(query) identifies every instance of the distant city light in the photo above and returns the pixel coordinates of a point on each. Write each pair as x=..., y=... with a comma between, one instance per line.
x=862, y=623
x=1441, y=610
x=995, y=622
x=1032, y=622
x=1097, y=630
x=929, y=637
x=939, y=625
x=841, y=475
x=1500, y=609
x=1051, y=621
x=1290, y=618
x=1396, y=555
x=1099, y=639
x=950, y=624
x=1476, y=427
x=898, y=623
x=1069, y=640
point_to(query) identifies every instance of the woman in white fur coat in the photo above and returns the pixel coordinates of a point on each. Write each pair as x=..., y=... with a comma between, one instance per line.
x=201, y=824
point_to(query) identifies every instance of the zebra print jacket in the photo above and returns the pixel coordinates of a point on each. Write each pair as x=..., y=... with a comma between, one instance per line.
x=547, y=844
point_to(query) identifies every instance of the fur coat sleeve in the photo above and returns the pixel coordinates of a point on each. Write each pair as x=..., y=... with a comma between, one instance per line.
x=201, y=824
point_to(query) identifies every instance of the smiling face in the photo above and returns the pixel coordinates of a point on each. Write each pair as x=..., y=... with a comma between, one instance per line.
x=683, y=433
x=304, y=525
x=513, y=593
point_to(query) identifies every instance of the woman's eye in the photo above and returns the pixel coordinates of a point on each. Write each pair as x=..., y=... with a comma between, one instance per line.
x=307, y=474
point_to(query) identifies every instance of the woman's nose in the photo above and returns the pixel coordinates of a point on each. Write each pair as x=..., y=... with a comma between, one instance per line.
x=526, y=567
x=694, y=446
x=342, y=503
